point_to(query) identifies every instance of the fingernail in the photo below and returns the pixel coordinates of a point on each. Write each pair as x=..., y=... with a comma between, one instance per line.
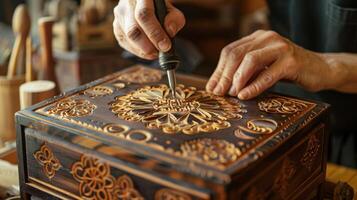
x=172, y=30
x=232, y=91
x=164, y=45
x=218, y=90
x=243, y=94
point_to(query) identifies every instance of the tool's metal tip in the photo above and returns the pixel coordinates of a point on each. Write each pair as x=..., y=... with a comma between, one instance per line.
x=171, y=76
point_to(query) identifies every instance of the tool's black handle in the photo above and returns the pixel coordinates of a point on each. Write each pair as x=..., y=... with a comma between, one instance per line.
x=168, y=60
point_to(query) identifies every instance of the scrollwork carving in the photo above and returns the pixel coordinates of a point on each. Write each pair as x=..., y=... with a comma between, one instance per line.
x=98, y=91
x=281, y=105
x=283, y=178
x=311, y=152
x=72, y=108
x=260, y=126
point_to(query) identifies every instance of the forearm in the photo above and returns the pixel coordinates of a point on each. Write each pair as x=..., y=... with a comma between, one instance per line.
x=343, y=71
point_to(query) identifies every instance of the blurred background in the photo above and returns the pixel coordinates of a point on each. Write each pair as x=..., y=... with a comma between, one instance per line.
x=85, y=48
x=74, y=44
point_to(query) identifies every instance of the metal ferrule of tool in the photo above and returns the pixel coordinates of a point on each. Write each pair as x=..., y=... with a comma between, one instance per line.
x=167, y=60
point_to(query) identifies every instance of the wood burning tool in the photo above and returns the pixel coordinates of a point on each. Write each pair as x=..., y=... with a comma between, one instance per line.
x=167, y=60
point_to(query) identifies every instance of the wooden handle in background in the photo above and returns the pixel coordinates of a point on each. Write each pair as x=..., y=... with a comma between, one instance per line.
x=11, y=71
x=29, y=72
x=45, y=33
x=21, y=24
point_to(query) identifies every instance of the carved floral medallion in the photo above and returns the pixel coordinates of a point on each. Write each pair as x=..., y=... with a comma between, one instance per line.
x=169, y=194
x=281, y=105
x=311, y=152
x=191, y=112
x=211, y=151
x=96, y=181
x=50, y=164
x=72, y=108
x=141, y=75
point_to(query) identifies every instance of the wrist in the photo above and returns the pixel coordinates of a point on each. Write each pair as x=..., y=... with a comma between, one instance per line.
x=337, y=73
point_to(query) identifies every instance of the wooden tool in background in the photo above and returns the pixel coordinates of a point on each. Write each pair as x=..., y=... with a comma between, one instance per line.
x=47, y=71
x=33, y=92
x=21, y=26
x=10, y=84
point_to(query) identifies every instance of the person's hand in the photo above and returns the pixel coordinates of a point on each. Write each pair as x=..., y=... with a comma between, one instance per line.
x=251, y=65
x=137, y=29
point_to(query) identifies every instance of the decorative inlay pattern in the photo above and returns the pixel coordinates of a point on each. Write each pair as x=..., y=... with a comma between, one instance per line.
x=96, y=181
x=98, y=91
x=311, y=152
x=281, y=105
x=169, y=194
x=212, y=151
x=50, y=163
x=192, y=112
x=72, y=108
x=281, y=182
x=260, y=126
x=141, y=75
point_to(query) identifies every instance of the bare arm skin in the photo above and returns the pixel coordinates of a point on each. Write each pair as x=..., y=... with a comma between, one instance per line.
x=249, y=66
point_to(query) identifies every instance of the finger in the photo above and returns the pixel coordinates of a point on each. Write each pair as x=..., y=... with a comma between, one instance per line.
x=265, y=80
x=215, y=77
x=252, y=63
x=121, y=38
x=145, y=16
x=234, y=58
x=174, y=21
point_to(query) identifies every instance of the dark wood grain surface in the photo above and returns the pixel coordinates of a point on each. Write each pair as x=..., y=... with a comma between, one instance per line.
x=272, y=147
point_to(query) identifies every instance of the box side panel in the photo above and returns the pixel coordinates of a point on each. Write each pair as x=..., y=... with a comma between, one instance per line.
x=293, y=169
x=78, y=173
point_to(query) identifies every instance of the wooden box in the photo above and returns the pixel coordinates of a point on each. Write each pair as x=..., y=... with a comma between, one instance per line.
x=123, y=137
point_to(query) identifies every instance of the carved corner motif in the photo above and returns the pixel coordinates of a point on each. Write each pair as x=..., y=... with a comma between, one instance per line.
x=281, y=105
x=98, y=91
x=72, y=108
x=283, y=178
x=169, y=194
x=212, y=151
x=311, y=152
x=191, y=113
x=96, y=182
x=141, y=75
x=50, y=164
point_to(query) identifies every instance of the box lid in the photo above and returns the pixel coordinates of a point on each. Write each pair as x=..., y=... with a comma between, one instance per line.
x=198, y=133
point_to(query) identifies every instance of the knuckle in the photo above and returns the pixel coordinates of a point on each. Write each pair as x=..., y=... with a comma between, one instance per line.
x=271, y=34
x=226, y=80
x=156, y=34
x=226, y=51
x=285, y=46
x=134, y=33
x=267, y=77
x=251, y=58
x=144, y=14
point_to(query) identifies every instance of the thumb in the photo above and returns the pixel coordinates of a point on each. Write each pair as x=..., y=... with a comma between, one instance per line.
x=174, y=21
